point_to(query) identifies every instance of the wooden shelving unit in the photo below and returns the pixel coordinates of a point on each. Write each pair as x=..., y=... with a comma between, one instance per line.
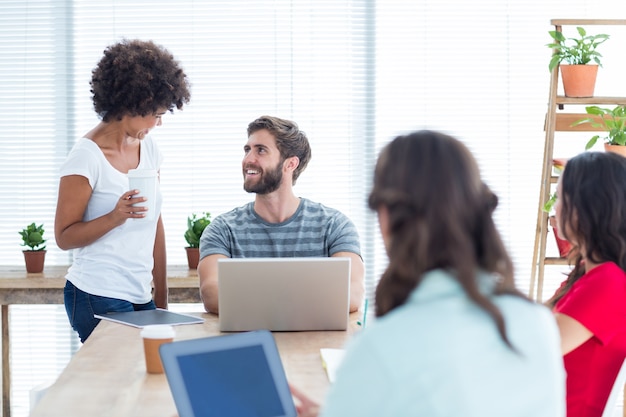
x=558, y=120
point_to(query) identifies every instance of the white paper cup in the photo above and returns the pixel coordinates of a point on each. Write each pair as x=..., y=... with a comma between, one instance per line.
x=144, y=180
x=154, y=336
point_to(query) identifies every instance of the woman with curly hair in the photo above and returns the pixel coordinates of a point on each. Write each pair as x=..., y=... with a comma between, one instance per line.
x=590, y=306
x=117, y=258
x=453, y=337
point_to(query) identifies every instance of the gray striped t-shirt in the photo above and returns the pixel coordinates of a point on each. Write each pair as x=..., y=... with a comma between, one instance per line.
x=313, y=231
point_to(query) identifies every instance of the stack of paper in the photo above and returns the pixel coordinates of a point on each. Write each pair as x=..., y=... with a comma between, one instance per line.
x=331, y=359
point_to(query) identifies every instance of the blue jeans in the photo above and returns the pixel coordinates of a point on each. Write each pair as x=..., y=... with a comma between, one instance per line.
x=81, y=306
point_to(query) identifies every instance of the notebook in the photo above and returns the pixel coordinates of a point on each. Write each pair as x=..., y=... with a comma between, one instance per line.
x=283, y=294
x=238, y=375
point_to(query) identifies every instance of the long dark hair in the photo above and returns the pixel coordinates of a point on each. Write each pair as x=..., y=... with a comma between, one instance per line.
x=593, y=211
x=440, y=217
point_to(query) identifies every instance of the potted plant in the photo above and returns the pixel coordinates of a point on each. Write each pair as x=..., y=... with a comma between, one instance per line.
x=32, y=236
x=613, y=121
x=195, y=226
x=579, y=76
x=563, y=245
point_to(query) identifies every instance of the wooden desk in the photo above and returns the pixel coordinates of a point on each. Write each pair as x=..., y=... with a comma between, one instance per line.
x=19, y=287
x=107, y=376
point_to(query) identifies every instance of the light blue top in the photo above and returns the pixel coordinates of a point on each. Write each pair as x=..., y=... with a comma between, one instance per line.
x=440, y=355
x=314, y=230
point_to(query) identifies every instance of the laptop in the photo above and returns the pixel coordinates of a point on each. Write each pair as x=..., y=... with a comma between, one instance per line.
x=283, y=294
x=238, y=375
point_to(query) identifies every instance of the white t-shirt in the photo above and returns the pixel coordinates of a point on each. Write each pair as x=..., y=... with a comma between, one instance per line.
x=119, y=264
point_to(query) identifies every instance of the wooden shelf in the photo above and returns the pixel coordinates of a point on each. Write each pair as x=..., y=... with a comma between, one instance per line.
x=591, y=100
x=562, y=113
x=555, y=261
x=588, y=22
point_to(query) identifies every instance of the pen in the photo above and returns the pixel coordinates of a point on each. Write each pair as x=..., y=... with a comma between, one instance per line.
x=362, y=322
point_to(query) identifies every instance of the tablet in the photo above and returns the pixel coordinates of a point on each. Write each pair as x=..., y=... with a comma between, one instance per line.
x=236, y=375
x=143, y=318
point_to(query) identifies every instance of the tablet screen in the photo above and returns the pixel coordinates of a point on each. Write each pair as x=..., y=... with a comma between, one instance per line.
x=234, y=382
x=237, y=375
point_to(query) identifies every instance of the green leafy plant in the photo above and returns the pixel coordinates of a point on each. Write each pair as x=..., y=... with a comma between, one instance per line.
x=547, y=207
x=613, y=121
x=575, y=51
x=195, y=227
x=32, y=237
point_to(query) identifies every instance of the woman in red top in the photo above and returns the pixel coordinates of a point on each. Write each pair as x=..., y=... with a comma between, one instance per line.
x=590, y=306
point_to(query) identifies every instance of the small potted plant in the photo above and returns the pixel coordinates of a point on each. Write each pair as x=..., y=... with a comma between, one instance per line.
x=579, y=74
x=32, y=237
x=613, y=121
x=563, y=245
x=195, y=226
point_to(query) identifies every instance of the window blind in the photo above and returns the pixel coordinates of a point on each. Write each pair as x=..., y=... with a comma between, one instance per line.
x=305, y=61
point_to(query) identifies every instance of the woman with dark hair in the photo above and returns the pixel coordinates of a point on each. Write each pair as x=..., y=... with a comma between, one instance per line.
x=590, y=306
x=116, y=258
x=453, y=337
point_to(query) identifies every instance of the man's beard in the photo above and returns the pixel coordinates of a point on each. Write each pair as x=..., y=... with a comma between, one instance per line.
x=269, y=182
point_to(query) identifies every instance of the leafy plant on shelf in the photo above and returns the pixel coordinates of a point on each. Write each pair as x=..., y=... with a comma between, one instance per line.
x=547, y=207
x=575, y=51
x=32, y=237
x=613, y=121
x=195, y=227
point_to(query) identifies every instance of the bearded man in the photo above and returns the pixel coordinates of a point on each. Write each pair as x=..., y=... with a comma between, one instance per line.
x=277, y=223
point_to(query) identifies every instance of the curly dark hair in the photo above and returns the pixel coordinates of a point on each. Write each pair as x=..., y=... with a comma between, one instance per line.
x=137, y=78
x=592, y=199
x=440, y=217
x=290, y=140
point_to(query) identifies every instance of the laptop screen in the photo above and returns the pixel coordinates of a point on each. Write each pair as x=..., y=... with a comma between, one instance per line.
x=237, y=375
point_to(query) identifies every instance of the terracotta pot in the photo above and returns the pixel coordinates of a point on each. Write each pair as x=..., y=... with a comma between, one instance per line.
x=34, y=260
x=579, y=80
x=616, y=149
x=563, y=245
x=193, y=257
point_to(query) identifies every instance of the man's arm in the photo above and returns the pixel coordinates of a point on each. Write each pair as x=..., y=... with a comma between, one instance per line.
x=207, y=272
x=357, y=274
